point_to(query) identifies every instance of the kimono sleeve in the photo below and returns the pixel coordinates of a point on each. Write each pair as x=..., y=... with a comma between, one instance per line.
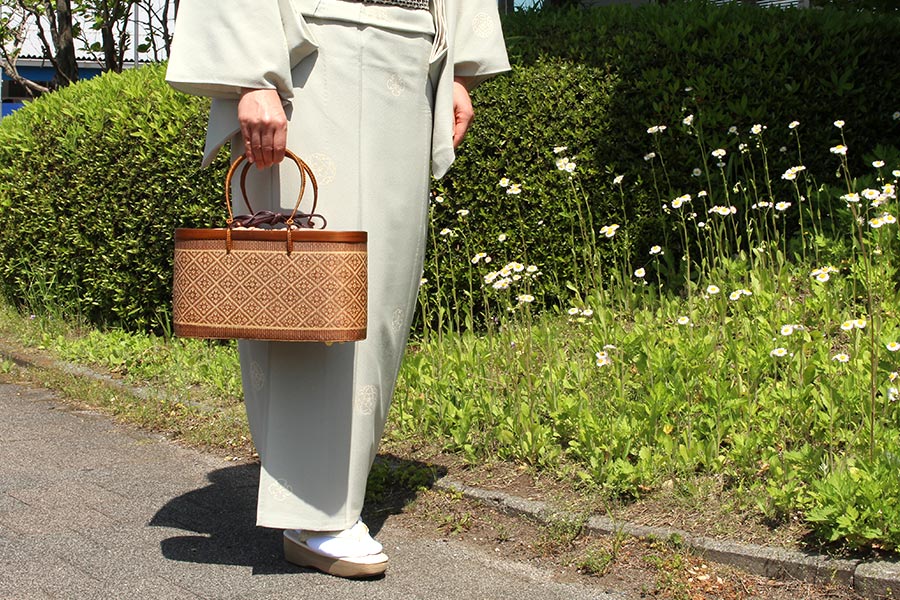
x=479, y=50
x=221, y=46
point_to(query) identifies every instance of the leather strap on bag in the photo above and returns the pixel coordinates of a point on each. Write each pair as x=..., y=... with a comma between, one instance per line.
x=259, y=219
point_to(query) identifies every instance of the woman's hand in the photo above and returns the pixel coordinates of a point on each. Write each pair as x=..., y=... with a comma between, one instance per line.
x=463, y=113
x=263, y=127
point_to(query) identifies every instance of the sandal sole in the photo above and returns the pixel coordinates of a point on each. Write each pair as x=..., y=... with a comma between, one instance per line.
x=302, y=556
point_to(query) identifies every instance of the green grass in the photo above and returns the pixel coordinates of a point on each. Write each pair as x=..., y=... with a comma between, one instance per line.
x=173, y=386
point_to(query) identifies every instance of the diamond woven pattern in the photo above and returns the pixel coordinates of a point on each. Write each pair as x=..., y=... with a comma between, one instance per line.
x=259, y=291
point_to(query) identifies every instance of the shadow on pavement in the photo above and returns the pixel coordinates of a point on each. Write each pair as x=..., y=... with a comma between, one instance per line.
x=221, y=517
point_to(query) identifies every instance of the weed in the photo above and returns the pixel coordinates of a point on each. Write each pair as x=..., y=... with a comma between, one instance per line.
x=595, y=561
x=560, y=531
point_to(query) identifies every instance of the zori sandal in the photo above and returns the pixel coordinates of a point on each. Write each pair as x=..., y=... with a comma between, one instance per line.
x=349, y=553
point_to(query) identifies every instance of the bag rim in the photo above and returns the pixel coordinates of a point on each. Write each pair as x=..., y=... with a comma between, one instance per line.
x=184, y=234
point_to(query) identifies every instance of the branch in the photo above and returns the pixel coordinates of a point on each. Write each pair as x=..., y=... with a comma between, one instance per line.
x=8, y=58
x=10, y=69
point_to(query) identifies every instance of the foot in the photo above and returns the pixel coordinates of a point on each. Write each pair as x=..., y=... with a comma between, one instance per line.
x=348, y=553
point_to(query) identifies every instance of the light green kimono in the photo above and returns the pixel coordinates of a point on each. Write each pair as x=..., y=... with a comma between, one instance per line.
x=368, y=89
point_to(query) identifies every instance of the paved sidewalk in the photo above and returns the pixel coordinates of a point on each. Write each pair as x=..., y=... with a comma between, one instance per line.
x=92, y=509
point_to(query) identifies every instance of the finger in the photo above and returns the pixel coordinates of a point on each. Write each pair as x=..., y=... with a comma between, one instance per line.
x=267, y=149
x=256, y=148
x=279, y=142
x=463, y=122
x=463, y=113
x=245, y=138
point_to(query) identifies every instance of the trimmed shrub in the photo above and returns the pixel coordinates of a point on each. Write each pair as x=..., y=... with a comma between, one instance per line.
x=94, y=179
x=743, y=65
x=596, y=80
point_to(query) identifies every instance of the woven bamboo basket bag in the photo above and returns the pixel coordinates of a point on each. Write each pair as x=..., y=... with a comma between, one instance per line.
x=271, y=276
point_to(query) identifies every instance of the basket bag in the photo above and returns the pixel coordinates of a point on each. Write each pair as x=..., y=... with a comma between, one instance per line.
x=270, y=276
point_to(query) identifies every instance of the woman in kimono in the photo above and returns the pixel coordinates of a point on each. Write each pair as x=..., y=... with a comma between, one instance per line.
x=374, y=96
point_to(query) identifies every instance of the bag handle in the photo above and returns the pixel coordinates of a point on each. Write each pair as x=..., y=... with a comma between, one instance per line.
x=266, y=217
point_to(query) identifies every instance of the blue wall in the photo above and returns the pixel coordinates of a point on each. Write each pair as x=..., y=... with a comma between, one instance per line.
x=46, y=73
x=41, y=74
x=9, y=107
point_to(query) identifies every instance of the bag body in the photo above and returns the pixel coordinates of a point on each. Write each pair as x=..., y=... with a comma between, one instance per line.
x=293, y=283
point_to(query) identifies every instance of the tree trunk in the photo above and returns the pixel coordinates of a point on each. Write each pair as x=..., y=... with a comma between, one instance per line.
x=108, y=40
x=65, y=63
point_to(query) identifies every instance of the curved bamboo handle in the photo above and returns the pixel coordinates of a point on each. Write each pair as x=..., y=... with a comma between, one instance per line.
x=305, y=172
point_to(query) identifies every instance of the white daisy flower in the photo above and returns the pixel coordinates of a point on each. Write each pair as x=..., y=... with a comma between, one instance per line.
x=609, y=230
x=603, y=359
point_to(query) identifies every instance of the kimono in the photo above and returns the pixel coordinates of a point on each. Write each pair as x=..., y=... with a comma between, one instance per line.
x=367, y=90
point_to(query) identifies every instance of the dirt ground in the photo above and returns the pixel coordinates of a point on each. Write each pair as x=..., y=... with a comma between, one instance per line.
x=642, y=568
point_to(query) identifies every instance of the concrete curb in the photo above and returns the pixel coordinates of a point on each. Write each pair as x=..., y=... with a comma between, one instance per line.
x=874, y=580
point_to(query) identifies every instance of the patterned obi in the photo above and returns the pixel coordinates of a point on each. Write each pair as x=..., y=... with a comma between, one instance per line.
x=417, y=4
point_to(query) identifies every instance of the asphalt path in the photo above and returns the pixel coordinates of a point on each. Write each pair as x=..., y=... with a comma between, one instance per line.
x=93, y=509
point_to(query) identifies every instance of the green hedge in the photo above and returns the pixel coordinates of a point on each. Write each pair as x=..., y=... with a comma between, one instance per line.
x=596, y=80
x=744, y=65
x=93, y=181
x=95, y=178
